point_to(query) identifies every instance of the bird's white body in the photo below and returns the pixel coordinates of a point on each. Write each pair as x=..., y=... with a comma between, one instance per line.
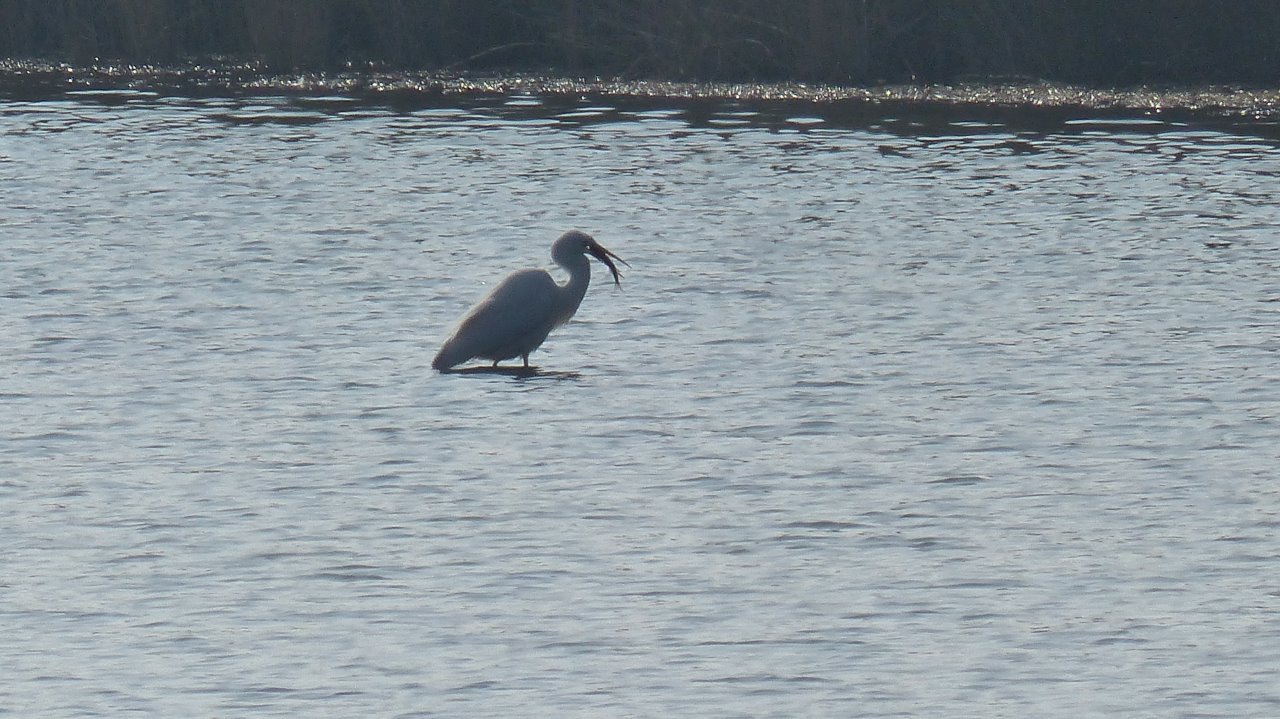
x=515, y=318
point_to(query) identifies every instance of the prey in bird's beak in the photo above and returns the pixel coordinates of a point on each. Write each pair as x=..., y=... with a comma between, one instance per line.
x=600, y=253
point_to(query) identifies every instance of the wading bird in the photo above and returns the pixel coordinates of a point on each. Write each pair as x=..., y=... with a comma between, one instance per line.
x=519, y=313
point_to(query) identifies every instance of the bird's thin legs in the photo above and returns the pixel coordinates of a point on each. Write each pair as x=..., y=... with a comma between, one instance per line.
x=526, y=360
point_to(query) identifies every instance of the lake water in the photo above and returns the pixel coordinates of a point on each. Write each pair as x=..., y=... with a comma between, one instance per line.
x=889, y=419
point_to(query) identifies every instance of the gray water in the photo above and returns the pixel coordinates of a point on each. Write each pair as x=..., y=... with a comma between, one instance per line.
x=886, y=420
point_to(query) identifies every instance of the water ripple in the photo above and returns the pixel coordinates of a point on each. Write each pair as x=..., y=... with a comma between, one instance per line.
x=930, y=416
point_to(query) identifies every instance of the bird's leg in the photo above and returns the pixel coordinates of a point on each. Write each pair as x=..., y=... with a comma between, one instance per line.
x=526, y=360
x=495, y=363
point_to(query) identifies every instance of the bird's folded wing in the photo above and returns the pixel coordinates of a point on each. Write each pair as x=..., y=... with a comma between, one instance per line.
x=515, y=317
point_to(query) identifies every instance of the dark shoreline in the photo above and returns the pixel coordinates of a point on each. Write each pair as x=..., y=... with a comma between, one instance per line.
x=841, y=42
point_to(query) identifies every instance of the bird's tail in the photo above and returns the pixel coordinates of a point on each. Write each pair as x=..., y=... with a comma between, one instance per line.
x=447, y=358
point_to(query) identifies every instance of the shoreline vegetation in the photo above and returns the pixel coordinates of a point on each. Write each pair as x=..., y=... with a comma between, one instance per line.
x=863, y=43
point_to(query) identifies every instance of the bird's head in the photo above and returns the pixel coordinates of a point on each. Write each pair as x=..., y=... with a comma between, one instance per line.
x=575, y=242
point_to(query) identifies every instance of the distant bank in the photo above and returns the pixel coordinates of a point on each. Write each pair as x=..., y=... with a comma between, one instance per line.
x=862, y=42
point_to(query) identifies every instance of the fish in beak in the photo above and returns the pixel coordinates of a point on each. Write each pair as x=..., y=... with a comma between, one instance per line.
x=600, y=253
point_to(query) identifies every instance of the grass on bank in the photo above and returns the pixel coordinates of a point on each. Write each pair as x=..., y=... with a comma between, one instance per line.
x=836, y=41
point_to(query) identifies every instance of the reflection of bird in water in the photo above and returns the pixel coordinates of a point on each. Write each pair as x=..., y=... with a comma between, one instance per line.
x=519, y=313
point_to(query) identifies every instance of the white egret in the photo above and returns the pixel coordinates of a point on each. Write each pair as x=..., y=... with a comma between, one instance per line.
x=519, y=313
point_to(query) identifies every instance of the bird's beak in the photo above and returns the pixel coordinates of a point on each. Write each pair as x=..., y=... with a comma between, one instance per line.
x=600, y=253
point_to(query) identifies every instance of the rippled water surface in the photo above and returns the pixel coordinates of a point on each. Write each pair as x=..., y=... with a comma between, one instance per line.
x=896, y=419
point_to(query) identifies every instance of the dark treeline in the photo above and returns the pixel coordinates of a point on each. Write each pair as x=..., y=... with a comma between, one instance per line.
x=840, y=41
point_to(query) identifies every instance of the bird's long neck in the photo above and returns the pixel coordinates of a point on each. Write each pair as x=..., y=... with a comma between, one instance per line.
x=572, y=292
